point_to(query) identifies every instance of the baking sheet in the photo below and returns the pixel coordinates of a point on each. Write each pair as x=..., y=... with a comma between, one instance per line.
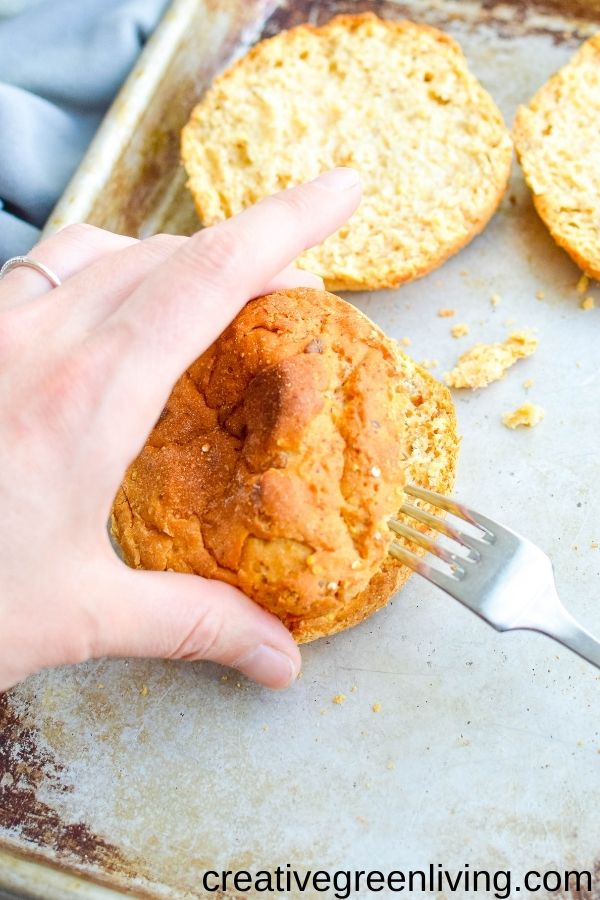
x=140, y=775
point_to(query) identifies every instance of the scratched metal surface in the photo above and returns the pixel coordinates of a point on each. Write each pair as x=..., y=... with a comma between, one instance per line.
x=139, y=775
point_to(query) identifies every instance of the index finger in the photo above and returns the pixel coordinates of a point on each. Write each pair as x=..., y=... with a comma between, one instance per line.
x=189, y=300
x=179, y=310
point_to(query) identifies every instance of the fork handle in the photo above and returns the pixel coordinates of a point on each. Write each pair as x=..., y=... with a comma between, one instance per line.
x=578, y=639
x=558, y=623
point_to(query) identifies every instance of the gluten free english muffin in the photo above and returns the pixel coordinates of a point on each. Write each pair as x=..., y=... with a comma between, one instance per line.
x=393, y=99
x=557, y=136
x=279, y=458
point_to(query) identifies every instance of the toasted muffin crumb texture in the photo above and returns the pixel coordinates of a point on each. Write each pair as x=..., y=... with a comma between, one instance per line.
x=485, y=363
x=558, y=144
x=393, y=99
x=279, y=458
x=528, y=415
x=582, y=285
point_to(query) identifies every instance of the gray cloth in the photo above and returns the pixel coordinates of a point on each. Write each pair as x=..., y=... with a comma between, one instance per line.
x=61, y=63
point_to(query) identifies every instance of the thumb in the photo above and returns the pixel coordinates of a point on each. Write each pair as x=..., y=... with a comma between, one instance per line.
x=173, y=616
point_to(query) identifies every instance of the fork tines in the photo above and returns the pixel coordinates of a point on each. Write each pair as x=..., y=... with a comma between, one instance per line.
x=468, y=543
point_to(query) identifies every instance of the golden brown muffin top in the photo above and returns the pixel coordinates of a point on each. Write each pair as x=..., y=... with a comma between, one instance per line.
x=278, y=458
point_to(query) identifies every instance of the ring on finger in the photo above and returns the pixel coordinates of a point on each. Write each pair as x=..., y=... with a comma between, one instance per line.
x=16, y=262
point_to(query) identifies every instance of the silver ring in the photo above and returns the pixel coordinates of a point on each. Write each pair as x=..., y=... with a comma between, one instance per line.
x=30, y=263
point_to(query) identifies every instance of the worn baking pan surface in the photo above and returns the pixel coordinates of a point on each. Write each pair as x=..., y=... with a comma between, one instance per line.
x=140, y=775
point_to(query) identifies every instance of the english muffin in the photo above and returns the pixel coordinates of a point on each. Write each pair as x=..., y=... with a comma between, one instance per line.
x=393, y=99
x=557, y=137
x=280, y=456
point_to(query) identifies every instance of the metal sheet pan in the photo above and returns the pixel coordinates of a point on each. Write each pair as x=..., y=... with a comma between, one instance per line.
x=138, y=775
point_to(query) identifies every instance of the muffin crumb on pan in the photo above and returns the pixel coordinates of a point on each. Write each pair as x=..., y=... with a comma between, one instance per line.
x=485, y=363
x=528, y=415
x=395, y=100
x=280, y=456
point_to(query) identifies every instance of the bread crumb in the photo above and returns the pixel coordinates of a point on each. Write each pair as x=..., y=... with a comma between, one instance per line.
x=528, y=383
x=460, y=330
x=265, y=727
x=144, y=690
x=582, y=285
x=485, y=363
x=100, y=686
x=587, y=303
x=390, y=764
x=540, y=295
x=333, y=586
x=578, y=363
x=495, y=299
x=446, y=313
x=224, y=677
x=527, y=415
x=429, y=363
x=205, y=448
x=355, y=564
x=376, y=707
x=339, y=699
x=594, y=545
x=405, y=341
x=300, y=675
x=509, y=322
x=353, y=689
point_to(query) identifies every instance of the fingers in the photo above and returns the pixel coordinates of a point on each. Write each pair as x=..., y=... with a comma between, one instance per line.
x=188, y=302
x=106, y=280
x=164, y=614
x=94, y=294
x=182, y=307
x=292, y=277
x=65, y=253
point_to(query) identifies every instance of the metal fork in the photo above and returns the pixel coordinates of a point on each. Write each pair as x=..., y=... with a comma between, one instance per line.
x=502, y=577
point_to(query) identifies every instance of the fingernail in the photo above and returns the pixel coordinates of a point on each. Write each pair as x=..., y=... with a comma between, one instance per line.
x=268, y=666
x=338, y=179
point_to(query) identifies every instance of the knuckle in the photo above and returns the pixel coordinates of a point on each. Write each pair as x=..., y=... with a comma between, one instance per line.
x=204, y=638
x=219, y=253
x=297, y=205
x=80, y=232
x=160, y=246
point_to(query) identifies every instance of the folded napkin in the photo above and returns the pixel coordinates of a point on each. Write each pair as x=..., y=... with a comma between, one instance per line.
x=61, y=63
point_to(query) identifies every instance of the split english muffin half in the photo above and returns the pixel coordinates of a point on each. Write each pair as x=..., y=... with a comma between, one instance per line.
x=557, y=136
x=393, y=99
x=280, y=456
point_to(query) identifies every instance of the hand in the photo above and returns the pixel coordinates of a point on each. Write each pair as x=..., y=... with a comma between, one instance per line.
x=85, y=370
